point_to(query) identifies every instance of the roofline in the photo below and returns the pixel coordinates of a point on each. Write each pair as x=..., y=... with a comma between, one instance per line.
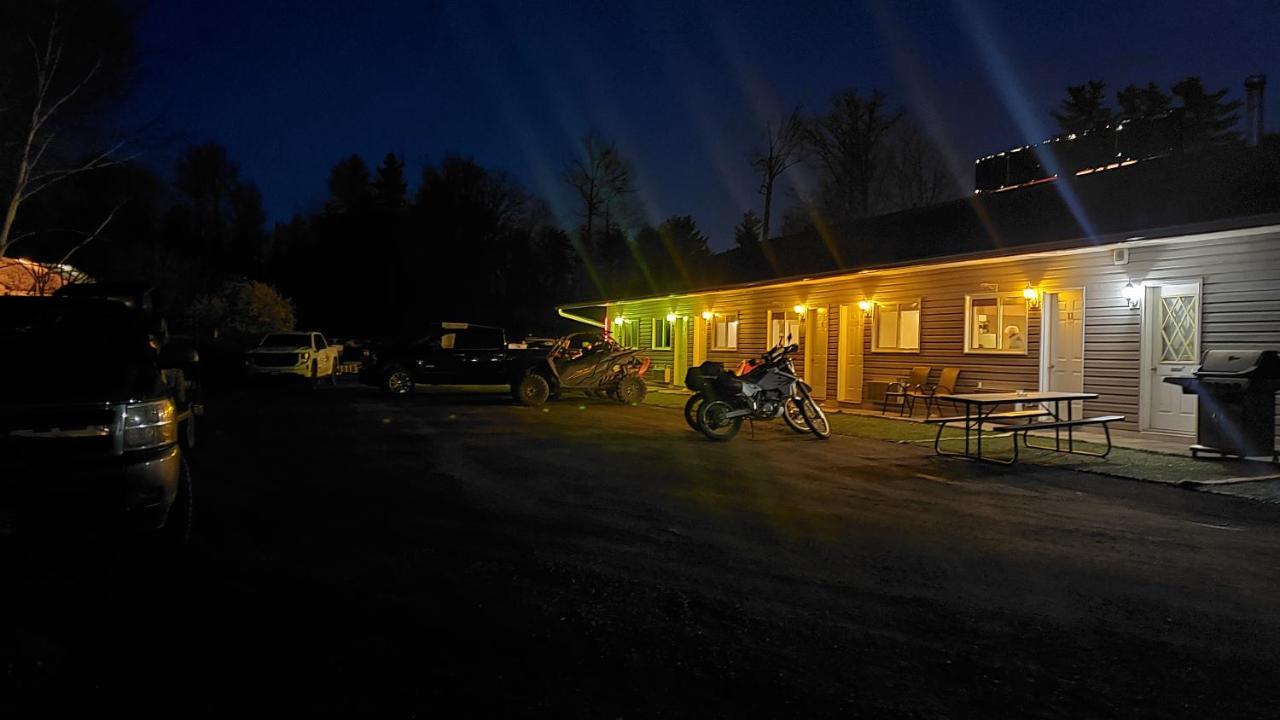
x=1190, y=231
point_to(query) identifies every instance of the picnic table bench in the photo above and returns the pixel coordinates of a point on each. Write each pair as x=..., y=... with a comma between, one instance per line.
x=981, y=408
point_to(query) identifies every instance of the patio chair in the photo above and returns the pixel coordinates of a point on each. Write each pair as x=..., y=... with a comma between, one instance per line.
x=913, y=387
x=946, y=385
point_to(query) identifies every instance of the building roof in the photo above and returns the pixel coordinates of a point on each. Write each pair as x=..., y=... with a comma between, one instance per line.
x=1196, y=192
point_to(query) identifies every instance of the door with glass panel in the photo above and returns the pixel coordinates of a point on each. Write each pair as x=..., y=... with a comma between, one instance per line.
x=1173, y=350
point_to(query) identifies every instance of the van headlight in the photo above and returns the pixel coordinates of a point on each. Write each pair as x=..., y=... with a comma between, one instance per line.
x=150, y=425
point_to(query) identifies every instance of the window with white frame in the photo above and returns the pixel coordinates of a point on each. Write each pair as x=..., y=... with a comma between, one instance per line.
x=996, y=323
x=725, y=332
x=895, y=327
x=784, y=329
x=626, y=334
x=661, y=334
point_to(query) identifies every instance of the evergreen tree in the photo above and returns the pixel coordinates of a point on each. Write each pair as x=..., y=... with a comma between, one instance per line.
x=1206, y=119
x=389, y=187
x=747, y=233
x=1084, y=108
x=1141, y=102
x=349, y=189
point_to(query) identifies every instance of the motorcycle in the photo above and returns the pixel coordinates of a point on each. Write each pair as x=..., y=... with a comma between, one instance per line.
x=765, y=391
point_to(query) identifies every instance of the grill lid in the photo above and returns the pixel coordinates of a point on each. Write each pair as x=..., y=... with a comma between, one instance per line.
x=1259, y=364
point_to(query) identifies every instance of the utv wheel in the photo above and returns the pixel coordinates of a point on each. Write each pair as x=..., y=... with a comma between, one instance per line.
x=314, y=380
x=533, y=390
x=691, y=410
x=398, y=381
x=333, y=375
x=713, y=423
x=631, y=390
x=793, y=416
x=816, y=419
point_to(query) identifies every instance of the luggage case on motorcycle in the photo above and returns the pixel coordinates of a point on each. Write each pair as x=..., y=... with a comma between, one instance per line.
x=700, y=378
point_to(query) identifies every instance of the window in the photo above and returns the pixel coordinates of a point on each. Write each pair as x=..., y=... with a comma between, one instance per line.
x=478, y=338
x=626, y=334
x=896, y=327
x=661, y=334
x=996, y=324
x=725, y=335
x=783, y=330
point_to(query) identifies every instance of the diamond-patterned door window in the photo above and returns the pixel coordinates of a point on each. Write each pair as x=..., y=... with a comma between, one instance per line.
x=1178, y=318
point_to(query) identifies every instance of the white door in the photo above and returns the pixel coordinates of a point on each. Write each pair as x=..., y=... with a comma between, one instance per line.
x=1173, y=341
x=1064, y=351
x=679, y=350
x=849, y=369
x=815, y=352
x=699, y=341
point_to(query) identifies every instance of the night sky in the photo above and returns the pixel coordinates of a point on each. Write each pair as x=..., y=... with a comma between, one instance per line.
x=683, y=87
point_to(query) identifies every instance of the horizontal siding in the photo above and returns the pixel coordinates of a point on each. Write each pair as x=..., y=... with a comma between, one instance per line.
x=1240, y=308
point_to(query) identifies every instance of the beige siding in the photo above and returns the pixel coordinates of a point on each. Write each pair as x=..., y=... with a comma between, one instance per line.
x=1240, y=273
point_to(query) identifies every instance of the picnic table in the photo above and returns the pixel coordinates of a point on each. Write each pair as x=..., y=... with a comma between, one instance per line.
x=983, y=408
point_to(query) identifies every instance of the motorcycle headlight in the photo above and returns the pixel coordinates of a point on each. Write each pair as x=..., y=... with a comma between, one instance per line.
x=149, y=425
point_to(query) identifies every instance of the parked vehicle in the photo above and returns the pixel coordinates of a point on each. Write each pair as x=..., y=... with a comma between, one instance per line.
x=448, y=353
x=768, y=390
x=298, y=354
x=587, y=362
x=90, y=431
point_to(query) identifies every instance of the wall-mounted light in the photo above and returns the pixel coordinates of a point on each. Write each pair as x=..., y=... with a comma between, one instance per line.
x=866, y=306
x=1032, y=295
x=800, y=309
x=707, y=315
x=617, y=320
x=1132, y=295
x=671, y=317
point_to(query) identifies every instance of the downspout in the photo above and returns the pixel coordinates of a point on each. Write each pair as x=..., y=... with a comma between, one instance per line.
x=579, y=318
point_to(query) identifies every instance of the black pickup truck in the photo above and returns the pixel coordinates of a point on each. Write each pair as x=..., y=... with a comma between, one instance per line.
x=448, y=353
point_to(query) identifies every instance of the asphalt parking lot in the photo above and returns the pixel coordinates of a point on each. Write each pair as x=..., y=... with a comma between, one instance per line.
x=356, y=554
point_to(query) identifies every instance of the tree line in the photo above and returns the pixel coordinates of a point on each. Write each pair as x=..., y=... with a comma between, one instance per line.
x=461, y=241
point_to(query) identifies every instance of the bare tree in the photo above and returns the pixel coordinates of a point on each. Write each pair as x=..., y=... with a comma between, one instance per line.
x=849, y=144
x=783, y=147
x=35, y=169
x=601, y=178
x=917, y=172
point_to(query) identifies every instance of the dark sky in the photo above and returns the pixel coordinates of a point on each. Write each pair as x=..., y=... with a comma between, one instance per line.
x=683, y=87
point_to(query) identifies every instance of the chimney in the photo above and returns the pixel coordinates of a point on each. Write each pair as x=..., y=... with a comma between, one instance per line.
x=1254, y=85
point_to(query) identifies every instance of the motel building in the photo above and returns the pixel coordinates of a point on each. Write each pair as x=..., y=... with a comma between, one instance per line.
x=1107, y=282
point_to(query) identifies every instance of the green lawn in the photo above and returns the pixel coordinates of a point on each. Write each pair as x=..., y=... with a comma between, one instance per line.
x=1121, y=462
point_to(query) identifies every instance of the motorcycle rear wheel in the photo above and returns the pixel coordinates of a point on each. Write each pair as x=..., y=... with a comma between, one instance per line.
x=816, y=419
x=691, y=410
x=713, y=423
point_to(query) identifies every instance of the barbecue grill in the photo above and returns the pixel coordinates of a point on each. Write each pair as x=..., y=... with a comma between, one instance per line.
x=1237, y=412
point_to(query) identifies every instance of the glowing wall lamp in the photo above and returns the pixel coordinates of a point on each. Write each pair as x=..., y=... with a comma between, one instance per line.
x=671, y=317
x=1132, y=295
x=1032, y=295
x=800, y=310
x=707, y=315
x=866, y=306
x=617, y=320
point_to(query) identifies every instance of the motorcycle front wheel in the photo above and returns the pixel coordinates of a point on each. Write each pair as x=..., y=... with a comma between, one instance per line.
x=793, y=416
x=814, y=416
x=713, y=423
x=691, y=410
